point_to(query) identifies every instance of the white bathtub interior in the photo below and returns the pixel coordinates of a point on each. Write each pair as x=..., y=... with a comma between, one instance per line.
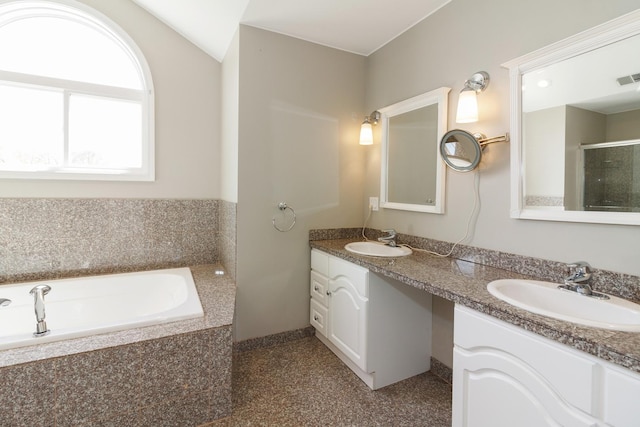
x=92, y=305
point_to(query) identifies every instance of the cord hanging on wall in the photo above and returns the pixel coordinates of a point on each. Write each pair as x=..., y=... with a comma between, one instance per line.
x=283, y=207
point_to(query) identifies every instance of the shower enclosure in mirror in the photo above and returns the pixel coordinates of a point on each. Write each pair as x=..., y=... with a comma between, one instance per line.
x=575, y=127
x=611, y=177
x=412, y=173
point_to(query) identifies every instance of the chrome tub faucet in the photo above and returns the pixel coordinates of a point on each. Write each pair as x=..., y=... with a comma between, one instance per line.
x=4, y=302
x=38, y=293
x=390, y=238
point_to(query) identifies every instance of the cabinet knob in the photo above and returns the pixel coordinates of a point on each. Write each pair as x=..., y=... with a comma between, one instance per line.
x=316, y=288
x=328, y=293
x=316, y=318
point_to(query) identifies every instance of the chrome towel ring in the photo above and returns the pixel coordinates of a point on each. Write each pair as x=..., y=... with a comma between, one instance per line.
x=283, y=207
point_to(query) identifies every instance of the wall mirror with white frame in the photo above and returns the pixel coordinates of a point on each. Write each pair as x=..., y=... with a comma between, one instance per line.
x=575, y=127
x=412, y=172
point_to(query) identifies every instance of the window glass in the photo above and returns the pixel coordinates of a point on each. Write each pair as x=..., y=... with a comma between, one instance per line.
x=31, y=134
x=76, y=97
x=61, y=48
x=104, y=132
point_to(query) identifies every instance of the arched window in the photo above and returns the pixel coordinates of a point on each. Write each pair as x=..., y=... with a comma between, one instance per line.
x=76, y=95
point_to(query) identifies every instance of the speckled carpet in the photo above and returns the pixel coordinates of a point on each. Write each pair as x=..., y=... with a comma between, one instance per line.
x=301, y=383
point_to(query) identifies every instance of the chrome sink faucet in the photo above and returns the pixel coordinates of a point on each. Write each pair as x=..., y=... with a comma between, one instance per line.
x=390, y=238
x=579, y=274
x=38, y=293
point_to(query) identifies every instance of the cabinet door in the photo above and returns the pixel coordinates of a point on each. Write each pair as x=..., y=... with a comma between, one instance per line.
x=620, y=395
x=347, y=320
x=491, y=388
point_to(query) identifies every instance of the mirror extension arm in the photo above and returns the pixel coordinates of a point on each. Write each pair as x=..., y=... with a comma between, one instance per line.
x=483, y=140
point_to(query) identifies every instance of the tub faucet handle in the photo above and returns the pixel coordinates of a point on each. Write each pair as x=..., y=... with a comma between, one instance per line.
x=38, y=293
x=4, y=302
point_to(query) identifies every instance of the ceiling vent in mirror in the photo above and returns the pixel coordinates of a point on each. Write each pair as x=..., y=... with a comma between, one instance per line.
x=627, y=80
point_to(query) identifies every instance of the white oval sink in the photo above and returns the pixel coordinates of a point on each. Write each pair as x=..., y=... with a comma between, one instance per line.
x=545, y=298
x=377, y=249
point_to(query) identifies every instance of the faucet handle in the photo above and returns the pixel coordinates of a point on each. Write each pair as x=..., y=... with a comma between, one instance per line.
x=579, y=266
x=390, y=232
x=43, y=289
x=579, y=271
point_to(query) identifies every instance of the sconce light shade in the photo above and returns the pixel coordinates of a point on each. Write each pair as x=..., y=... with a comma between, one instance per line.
x=467, y=107
x=366, y=133
x=366, y=130
x=468, y=101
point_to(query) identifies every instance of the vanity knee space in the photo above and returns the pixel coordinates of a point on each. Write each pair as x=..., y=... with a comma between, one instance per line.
x=380, y=328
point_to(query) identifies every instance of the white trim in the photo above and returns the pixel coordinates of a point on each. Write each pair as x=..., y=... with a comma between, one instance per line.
x=113, y=92
x=610, y=144
x=12, y=10
x=609, y=32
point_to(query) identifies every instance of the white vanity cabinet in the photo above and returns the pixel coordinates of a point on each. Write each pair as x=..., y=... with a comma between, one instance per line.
x=378, y=327
x=504, y=376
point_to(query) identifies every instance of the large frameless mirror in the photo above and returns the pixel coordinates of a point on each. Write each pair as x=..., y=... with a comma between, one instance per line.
x=575, y=123
x=412, y=173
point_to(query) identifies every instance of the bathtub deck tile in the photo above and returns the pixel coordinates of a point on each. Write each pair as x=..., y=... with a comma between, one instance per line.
x=221, y=363
x=27, y=395
x=175, y=366
x=97, y=385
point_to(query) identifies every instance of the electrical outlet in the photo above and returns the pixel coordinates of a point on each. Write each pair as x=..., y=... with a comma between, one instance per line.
x=373, y=203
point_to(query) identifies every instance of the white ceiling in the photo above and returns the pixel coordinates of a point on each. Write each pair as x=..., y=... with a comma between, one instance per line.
x=357, y=26
x=588, y=80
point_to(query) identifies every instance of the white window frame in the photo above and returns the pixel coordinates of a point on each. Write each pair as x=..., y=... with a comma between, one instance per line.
x=144, y=97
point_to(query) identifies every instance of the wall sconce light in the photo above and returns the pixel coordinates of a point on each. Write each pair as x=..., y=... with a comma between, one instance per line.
x=468, y=101
x=366, y=130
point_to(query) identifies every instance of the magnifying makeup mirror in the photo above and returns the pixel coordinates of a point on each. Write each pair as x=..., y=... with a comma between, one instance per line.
x=462, y=151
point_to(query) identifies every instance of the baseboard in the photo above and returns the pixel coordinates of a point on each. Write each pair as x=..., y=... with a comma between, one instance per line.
x=441, y=370
x=271, y=340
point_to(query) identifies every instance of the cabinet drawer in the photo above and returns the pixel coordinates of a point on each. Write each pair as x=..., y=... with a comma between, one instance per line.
x=319, y=287
x=320, y=262
x=357, y=276
x=570, y=373
x=318, y=317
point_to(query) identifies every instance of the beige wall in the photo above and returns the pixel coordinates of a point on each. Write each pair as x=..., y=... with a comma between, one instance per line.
x=187, y=107
x=299, y=116
x=444, y=50
x=229, y=144
x=623, y=126
x=582, y=127
x=544, y=132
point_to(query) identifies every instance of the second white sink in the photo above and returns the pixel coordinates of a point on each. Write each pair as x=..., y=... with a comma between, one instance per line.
x=377, y=249
x=545, y=298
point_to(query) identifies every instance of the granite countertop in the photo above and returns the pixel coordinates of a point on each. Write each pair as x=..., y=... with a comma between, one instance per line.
x=217, y=296
x=464, y=283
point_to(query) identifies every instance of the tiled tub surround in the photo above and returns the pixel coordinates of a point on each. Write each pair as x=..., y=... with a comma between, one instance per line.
x=172, y=374
x=51, y=238
x=463, y=277
x=227, y=236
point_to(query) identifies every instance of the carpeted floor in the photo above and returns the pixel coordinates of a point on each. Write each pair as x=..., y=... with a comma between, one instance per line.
x=301, y=383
